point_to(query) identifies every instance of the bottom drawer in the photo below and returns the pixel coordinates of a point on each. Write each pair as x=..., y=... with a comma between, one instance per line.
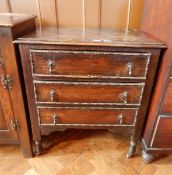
x=163, y=133
x=83, y=115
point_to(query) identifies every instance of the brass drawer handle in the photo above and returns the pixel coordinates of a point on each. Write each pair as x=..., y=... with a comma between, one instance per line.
x=51, y=64
x=124, y=96
x=52, y=95
x=6, y=82
x=55, y=119
x=121, y=118
x=129, y=67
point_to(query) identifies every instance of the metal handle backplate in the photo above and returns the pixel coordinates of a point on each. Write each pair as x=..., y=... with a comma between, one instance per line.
x=52, y=94
x=55, y=119
x=51, y=64
x=6, y=81
x=124, y=96
x=129, y=68
x=121, y=118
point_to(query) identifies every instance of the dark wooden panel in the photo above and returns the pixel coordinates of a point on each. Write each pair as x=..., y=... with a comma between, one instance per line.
x=87, y=116
x=83, y=64
x=3, y=125
x=163, y=133
x=83, y=92
x=167, y=101
x=6, y=111
x=12, y=25
x=2, y=116
x=156, y=21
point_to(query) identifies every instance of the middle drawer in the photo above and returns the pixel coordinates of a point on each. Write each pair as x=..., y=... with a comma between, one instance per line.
x=53, y=92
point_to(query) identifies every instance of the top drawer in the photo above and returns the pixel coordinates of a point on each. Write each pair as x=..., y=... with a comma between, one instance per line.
x=89, y=64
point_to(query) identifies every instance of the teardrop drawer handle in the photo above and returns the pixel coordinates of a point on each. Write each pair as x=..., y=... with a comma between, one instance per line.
x=55, y=119
x=124, y=96
x=52, y=94
x=51, y=64
x=121, y=118
x=129, y=67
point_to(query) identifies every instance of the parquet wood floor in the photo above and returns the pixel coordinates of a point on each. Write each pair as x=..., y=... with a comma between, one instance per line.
x=82, y=152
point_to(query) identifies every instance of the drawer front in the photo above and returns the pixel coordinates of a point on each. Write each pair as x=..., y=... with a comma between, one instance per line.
x=83, y=64
x=78, y=115
x=88, y=93
x=167, y=102
x=163, y=132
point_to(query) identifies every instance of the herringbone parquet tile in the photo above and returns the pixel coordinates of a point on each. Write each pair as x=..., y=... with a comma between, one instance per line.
x=82, y=153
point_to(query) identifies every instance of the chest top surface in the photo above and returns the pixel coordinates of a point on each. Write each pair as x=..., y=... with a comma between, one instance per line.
x=13, y=19
x=92, y=37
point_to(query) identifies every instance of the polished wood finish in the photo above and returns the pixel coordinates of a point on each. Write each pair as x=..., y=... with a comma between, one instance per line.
x=77, y=64
x=11, y=97
x=90, y=37
x=157, y=137
x=6, y=112
x=90, y=83
x=11, y=20
x=166, y=106
x=2, y=119
x=163, y=129
x=86, y=92
x=80, y=115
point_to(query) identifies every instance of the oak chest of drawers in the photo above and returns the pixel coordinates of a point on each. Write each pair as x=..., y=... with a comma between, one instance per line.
x=88, y=79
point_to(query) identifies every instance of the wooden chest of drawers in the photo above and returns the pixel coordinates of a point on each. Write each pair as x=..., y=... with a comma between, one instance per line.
x=88, y=79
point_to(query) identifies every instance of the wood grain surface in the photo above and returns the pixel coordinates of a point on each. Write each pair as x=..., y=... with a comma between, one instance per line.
x=90, y=93
x=11, y=97
x=94, y=64
x=112, y=14
x=166, y=106
x=90, y=37
x=12, y=19
x=86, y=92
x=163, y=132
x=82, y=153
x=156, y=22
x=87, y=116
